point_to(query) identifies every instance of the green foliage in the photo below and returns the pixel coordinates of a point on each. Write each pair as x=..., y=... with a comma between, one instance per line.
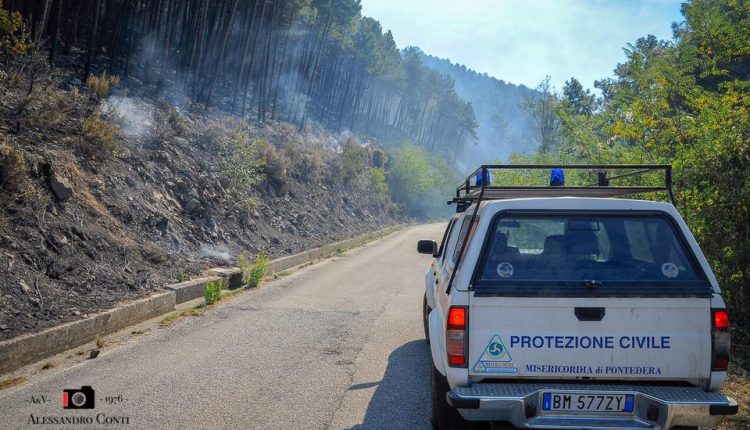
x=243, y=159
x=253, y=273
x=420, y=181
x=14, y=41
x=212, y=291
x=377, y=179
x=245, y=265
x=685, y=103
x=258, y=271
x=542, y=109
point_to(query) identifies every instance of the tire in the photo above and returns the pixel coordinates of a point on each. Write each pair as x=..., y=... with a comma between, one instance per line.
x=444, y=416
x=425, y=318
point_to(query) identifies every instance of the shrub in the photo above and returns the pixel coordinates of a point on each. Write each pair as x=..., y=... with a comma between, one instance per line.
x=245, y=265
x=354, y=158
x=12, y=166
x=243, y=160
x=212, y=292
x=100, y=133
x=311, y=162
x=418, y=179
x=377, y=179
x=277, y=164
x=100, y=86
x=100, y=342
x=253, y=274
x=13, y=39
x=379, y=158
x=168, y=122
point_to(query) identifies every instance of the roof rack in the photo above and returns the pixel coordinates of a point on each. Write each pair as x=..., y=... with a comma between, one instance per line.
x=470, y=191
x=467, y=194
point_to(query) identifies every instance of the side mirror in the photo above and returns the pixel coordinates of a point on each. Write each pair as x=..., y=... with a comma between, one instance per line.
x=427, y=247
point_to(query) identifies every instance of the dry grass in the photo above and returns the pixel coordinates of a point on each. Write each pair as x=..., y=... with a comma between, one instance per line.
x=12, y=165
x=12, y=382
x=175, y=316
x=101, y=85
x=738, y=387
x=100, y=134
x=168, y=122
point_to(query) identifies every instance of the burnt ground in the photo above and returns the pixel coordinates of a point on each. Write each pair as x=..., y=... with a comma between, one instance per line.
x=83, y=227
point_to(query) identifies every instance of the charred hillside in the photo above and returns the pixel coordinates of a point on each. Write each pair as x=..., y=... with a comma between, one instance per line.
x=108, y=199
x=294, y=61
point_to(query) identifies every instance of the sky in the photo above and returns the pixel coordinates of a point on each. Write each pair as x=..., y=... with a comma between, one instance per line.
x=523, y=41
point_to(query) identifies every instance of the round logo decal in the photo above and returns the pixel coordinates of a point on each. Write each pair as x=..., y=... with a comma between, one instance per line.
x=495, y=349
x=670, y=270
x=505, y=269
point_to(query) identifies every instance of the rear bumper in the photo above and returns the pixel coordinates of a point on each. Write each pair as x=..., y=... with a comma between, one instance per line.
x=655, y=407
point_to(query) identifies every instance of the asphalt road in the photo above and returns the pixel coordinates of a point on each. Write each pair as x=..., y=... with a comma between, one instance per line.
x=337, y=345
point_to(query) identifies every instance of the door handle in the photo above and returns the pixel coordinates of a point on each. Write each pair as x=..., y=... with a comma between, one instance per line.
x=589, y=314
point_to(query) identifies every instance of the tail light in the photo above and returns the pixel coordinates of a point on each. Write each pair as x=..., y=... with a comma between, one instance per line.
x=720, y=341
x=455, y=336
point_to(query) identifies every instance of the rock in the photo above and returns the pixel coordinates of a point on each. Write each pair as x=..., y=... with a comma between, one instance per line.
x=74, y=82
x=25, y=288
x=275, y=241
x=192, y=206
x=81, y=235
x=94, y=353
x=77, y=313
x=60, y=187
x=4, y=327
x=163, y=224
x=52, y=209
x=59, y=240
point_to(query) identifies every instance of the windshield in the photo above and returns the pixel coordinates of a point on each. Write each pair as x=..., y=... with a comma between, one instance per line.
x=575, y=248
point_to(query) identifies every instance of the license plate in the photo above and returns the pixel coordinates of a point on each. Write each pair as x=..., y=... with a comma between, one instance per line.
x=587, y=402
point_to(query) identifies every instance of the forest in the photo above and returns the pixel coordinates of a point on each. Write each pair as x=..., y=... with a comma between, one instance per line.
x=504, y=125
x=297, y=61
x=683, y=102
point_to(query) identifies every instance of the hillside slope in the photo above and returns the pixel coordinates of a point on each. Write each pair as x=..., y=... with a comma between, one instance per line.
x=504, y=127
x=87, y=221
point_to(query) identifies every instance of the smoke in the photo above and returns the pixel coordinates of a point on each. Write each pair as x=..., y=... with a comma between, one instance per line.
x=137, y=116
x=216, y=252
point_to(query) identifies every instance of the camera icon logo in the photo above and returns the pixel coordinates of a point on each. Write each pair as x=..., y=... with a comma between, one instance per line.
x=82, y=398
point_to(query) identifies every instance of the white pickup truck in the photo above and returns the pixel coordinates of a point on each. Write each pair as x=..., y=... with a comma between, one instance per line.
x=563, y=307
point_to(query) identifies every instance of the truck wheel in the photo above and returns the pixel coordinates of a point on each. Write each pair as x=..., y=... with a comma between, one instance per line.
x=444, y=416
x=425, y=318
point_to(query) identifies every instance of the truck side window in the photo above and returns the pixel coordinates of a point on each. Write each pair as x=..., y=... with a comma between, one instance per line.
x=462, y=237
x=445, y=238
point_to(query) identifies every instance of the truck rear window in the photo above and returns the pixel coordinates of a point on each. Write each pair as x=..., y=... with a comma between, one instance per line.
x=643, y=252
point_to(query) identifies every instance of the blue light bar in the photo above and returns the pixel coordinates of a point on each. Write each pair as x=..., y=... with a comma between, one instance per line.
x=557, y=178
x=479, y=178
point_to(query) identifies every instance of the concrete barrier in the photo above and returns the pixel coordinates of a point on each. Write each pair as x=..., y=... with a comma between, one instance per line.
x=27, y=349
x=284, y=263
x=232, y=276
x=192, y=289
x=23, y=350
